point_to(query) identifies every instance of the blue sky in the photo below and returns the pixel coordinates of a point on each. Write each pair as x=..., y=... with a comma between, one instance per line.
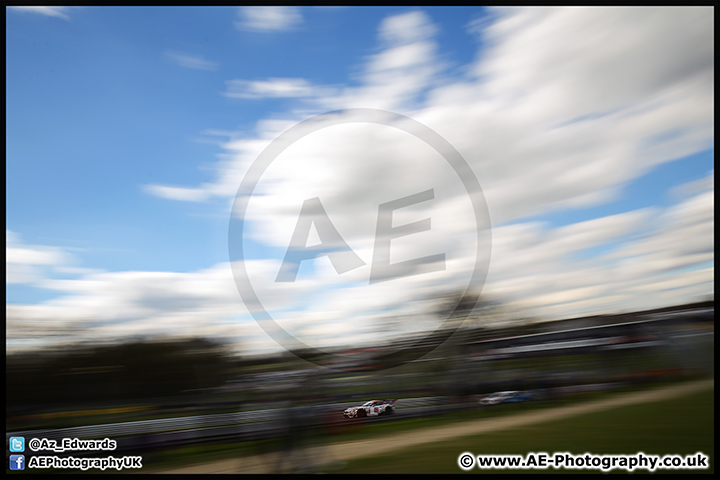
x=128, y=130
x=115, y=112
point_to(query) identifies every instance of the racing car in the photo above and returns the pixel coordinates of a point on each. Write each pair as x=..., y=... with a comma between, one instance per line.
x=371, y=409
x=506, y=397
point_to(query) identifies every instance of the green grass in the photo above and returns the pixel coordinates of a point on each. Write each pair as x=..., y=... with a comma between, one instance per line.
x=679, y=426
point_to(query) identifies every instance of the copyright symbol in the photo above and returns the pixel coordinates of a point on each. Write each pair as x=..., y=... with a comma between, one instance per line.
x=466, y=461
x=34, y=444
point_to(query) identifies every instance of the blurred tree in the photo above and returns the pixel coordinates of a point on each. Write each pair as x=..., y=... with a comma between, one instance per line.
x=120, y=372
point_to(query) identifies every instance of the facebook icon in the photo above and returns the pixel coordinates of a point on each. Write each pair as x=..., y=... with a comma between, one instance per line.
x=17, y=462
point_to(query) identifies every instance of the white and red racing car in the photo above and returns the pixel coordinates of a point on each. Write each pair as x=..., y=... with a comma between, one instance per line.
x=370, y=409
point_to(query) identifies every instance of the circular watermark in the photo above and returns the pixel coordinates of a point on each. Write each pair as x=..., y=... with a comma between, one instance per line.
x=343, y=258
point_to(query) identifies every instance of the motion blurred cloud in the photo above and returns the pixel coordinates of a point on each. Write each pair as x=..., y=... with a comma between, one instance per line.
x=57, y=12
x=536, y=145
x=271, y=88
x=193, y=62
x=24, y=262
x=560, y=110
x=268, y=19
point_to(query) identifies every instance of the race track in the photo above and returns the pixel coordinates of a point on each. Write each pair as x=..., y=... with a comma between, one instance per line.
x=332, y=455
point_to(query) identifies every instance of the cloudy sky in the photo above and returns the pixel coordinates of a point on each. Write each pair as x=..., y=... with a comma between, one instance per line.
x=130, y=130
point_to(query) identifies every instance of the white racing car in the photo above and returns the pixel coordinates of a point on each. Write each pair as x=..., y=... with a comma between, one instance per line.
x=371, y=409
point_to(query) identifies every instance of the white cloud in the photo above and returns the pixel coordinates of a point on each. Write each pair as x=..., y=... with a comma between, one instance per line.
x=405, y=65
x=406, y=28
x=268, y=19
x=580, y=61
x=108, y=306
x=533, y=270
x=25, y=263
x=177, y=193
x=191, y=61
x=270, y=88
x=534, y=151
x=598, y=231
x=665, y=260
x=57, y=12
x=694, y=187
x=561, y=110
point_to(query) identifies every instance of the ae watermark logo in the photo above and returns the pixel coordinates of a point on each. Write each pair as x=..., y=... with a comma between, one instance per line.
x=347, y=223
